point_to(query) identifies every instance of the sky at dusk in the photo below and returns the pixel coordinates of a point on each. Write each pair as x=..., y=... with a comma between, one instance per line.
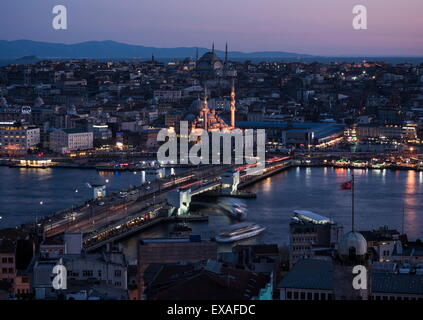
x=320, y=27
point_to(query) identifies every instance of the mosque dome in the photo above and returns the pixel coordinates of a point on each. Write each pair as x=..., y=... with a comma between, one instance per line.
x=190, y=117
x=196, y=106
x=38, y=102
x=209, y=62
x=3, y=102
x=352, y=246
x=188, y=60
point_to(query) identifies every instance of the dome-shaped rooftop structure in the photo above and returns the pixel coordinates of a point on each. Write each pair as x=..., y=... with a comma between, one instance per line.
x=38, y=102
x=189, y=117
x=352, y=246
x=209, y=62
x=196, y=106
x=3, y=102
x=188, y=60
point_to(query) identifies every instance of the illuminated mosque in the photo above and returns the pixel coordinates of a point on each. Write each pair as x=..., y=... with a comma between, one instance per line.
x=215, y=73
x=208, y=119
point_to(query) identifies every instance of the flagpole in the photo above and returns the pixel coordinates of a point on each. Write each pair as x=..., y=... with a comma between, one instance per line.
x=352, y=201
x=403, y=217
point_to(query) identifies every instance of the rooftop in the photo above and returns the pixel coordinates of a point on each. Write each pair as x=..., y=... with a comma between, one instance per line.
x=318, y=274
x=310, y=216
x=7, y=246
x=397, y=283
x=309, y=274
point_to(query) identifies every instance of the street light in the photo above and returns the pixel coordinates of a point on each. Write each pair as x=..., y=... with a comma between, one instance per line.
x=74, y=199
x=36, y=214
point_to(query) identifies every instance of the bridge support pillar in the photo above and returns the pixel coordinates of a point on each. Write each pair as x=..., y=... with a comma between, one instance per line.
x=99, y=191
x=230, y=181
x=180, y=200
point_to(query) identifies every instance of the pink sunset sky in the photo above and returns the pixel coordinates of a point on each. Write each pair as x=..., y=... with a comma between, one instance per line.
x=319, y=27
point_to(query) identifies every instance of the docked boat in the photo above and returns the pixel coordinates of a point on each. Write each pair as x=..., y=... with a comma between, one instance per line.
x=377, y=165
x=238, y=232
x=341, y=163
x=359, y=164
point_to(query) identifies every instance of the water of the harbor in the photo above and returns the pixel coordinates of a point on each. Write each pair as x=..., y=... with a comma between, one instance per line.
x=383, y=197
x=23, y=190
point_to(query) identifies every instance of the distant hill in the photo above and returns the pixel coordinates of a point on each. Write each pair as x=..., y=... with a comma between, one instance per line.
x=114, y=50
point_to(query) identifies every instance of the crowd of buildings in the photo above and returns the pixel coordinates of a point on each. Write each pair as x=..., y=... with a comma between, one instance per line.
x=316, y=265
x=67, y=106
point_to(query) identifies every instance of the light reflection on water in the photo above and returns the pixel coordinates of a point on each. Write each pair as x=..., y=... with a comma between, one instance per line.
x=381, y=198
x=410, y=205
x=21, y=190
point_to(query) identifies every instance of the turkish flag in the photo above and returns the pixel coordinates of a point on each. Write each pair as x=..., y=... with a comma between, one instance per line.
x=347, y=185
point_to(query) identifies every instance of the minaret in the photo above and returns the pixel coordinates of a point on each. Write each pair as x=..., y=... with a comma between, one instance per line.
x=196, y=55
x=205, y=110
x=226, y=55
x=213, y=47
x=233, y=109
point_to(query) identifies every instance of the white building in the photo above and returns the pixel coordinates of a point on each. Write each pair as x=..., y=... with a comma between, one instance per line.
x=110, y=268
x=16, y=138
x=103, y=274
x=66, y=140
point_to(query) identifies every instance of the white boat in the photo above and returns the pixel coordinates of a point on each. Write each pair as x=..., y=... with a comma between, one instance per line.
x=238, y=232
x=236, y=210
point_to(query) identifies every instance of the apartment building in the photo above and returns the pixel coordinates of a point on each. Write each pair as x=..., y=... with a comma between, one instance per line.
x=66, y=140
x=16, y=138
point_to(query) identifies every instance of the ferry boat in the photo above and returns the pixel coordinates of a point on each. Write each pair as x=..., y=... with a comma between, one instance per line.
x=238, y=232
x=359, y=164
x=341, y=163
x=377, y=165
x=235, y=209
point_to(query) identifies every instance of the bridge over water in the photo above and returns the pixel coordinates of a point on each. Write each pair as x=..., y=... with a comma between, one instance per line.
x=166, y=197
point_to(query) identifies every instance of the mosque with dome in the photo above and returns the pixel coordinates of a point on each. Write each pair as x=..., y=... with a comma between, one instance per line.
x=214, y=73
x=205, y=118
x=210, y=64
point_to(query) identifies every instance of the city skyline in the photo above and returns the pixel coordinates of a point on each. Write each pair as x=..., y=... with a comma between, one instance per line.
x=323, y=29
x=240, y=151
